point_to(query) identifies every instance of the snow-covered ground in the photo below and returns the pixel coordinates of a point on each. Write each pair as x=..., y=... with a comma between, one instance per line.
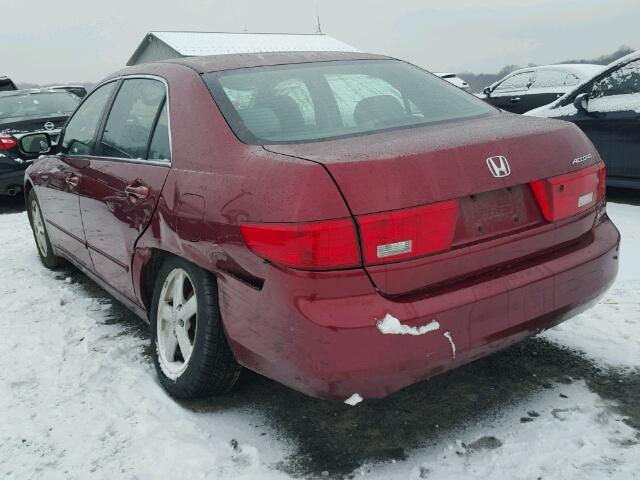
x=609, y=334
x=79, y=397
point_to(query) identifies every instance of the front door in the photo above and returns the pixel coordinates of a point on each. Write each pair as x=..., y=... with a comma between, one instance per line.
x=62, y=175
x=510, y=94
x=612, y=121
x=123, y=182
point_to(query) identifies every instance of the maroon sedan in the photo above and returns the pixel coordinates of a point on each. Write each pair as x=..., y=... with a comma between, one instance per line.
x=342, y=223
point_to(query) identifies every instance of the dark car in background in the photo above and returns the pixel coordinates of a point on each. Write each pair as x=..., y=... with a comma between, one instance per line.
x=6, y=84
x=534, y=87
x=607, y=109
x=25, y=111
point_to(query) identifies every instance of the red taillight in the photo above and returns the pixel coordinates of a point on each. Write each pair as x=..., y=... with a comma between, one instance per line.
x=315, y=245
x=567, y=195
x=413, y=232
x=386, y=237
x=7, y=143
x=602, y=181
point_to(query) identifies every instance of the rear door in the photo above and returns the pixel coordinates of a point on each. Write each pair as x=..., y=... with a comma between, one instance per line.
x=123, y=180
x=511, y=92
x=547, y=87
x=612, y=121
x=61, y=176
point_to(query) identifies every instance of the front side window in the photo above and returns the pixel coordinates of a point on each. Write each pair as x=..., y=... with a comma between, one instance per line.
x=80, y=132
x=622, y=81
x=324, y=100
x=128, y=128
x=519, y=81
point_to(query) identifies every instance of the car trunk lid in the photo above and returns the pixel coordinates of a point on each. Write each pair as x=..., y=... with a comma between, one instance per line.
x=20, y=125
x=408, y=168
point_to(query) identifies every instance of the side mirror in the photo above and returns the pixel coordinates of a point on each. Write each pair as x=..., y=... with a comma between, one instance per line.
x=487, y=91
x=35, y=143
x=581, y=102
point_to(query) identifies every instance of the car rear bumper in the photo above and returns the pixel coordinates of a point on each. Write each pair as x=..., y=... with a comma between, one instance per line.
x=317, y=332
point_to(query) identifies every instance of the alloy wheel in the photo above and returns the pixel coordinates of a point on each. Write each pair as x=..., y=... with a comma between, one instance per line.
x=176, y=322
x=38, y=228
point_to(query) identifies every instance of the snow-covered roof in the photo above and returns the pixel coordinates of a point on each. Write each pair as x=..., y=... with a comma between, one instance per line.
x=444, y=74
x=187, y=44
x=581, y=70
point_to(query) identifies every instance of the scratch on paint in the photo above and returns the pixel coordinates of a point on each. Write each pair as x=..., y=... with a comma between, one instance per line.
x=453, y=345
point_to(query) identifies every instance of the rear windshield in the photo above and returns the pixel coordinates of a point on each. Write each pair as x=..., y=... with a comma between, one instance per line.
x=324, y=100
x=37, y=104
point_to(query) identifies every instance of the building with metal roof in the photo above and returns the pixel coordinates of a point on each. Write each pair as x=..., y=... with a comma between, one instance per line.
x=166, y=45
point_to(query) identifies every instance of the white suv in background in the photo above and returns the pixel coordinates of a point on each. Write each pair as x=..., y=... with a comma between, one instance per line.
x=453, y=79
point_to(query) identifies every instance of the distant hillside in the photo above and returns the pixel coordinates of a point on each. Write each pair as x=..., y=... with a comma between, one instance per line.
x=477, y=81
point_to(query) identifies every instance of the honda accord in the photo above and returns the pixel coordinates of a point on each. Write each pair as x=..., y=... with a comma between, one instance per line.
x=346, y=224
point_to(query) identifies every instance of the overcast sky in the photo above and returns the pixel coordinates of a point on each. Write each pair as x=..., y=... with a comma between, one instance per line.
x=84, y=40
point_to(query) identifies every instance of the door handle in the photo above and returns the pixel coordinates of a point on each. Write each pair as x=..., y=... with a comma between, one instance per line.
x=72, y=181
x=136, y=192
x=515, y=99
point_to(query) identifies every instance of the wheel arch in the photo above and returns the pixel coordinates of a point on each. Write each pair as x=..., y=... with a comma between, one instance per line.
x=146, y=265
x=28, y=187
x=151, y=262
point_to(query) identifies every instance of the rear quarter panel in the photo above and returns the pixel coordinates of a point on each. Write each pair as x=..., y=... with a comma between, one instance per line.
x=235, y=182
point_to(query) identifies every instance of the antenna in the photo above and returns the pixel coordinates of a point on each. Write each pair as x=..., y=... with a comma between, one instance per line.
x=318, y=26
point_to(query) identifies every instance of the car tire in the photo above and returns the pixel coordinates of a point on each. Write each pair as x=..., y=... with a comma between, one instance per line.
x=206, y=366
x=40, y=234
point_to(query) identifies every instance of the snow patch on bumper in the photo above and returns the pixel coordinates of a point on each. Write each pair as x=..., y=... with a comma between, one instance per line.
x=390, y=325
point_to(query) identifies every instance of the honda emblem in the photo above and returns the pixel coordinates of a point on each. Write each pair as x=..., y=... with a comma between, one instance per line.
x=498, y=166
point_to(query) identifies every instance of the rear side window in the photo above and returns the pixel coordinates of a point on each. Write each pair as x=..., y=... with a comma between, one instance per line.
x=623, y=81
x=81, y=129
x=571, y=80
x=160, y=146
x=131, y=120
x=324, y=100
x=549, y=78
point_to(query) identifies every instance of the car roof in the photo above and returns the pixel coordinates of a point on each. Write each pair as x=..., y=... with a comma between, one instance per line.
x=627, y=58
x=217, y=63
x=63, y=86
x=581, y=70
